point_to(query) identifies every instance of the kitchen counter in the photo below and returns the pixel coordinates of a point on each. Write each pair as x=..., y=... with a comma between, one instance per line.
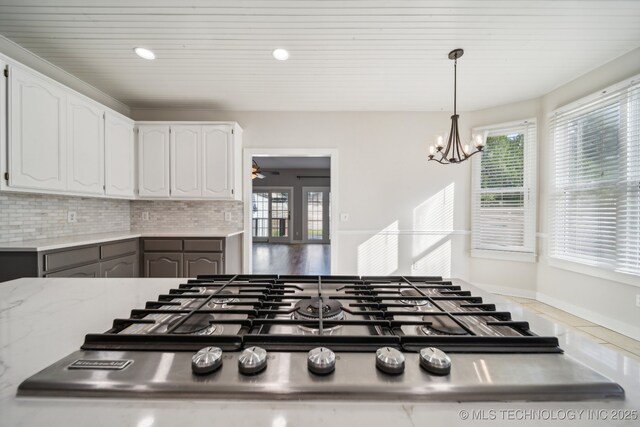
x=39, y=324
x=90, y=239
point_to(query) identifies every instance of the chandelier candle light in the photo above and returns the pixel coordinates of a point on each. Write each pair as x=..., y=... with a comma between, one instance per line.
x=454, y=151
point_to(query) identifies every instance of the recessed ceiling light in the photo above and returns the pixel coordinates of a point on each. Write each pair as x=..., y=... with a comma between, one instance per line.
x=280, y=54
x=144, y=53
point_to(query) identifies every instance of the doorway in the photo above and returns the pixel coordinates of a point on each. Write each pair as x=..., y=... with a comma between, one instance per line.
x=316, y=214
x=290, y=214
x=271, y=215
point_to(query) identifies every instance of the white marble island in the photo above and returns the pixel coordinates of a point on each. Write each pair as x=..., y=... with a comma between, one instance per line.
x=43, y=320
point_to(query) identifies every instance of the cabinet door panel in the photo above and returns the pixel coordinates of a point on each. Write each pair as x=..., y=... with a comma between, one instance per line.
x=216, y=158
x=37, y=140
x=120, y=267
x=153, y=148
x=186, y=161
x=85, y=146
x=119, y=156
x=202, y=263
x=91, y=270
x=163, y=265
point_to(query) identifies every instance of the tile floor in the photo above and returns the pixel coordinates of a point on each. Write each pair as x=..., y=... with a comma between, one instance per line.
x=603, y=336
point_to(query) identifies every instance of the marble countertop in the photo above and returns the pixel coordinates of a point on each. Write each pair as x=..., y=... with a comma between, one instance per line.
x=90, y=239
x=39, y=324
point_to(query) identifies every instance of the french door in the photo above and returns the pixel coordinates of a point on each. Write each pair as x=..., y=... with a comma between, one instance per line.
x=271, y=215
x=316, y=213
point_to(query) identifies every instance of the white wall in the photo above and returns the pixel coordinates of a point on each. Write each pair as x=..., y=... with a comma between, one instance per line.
x=610, y=303
x=607, y=302
x=403, y=210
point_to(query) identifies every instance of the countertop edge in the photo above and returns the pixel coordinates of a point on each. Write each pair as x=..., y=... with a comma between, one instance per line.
x=82, y=240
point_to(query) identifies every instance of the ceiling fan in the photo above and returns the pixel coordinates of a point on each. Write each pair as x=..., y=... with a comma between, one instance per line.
x=256, y=172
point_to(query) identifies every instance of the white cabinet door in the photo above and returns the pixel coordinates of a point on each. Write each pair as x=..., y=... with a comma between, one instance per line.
x=37, y=140
x=217, y=156
x=186, y=163
x=153, y=160
x=85, y=146
x=119, y=156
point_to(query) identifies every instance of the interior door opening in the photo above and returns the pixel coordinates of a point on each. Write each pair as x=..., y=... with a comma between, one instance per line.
x=290, y=215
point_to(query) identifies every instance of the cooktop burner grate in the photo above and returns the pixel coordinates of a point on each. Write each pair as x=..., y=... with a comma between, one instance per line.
x=298, y=313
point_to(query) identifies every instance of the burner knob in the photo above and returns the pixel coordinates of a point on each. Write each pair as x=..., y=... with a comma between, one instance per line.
x=389, y=360
x=435, y=361
x=252, y=360
x=321, y=361
x=206, y=360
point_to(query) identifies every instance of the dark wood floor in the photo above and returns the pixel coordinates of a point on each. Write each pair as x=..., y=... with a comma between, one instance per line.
x=270, y=258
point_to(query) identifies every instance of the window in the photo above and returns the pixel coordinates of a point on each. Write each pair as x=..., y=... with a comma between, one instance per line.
x=595, y=191
x=504, y=195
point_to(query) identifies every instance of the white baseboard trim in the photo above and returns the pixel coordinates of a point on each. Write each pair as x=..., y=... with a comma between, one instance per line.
x=506, y=290
x=591, y=316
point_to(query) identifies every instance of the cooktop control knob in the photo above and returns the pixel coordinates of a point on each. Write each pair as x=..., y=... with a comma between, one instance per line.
x=321, y=361
x=389, y=360
x=435, y=361
x=252, y=360
x=206, y=360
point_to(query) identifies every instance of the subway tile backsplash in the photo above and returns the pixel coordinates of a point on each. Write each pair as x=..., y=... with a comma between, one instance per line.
x=185, y=215
x=37, y=216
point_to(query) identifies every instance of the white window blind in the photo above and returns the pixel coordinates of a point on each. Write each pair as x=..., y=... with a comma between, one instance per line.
x=504, y=194
x=596, y=185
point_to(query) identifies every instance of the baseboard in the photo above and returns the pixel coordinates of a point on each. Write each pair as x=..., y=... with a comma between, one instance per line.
x=591, y=316
x=506, y=290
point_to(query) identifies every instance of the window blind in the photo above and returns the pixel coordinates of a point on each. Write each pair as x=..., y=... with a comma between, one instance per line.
x=596, y=179
x=504, y=195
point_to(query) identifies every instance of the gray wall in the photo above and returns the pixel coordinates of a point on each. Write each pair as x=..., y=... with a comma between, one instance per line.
x=288, y=178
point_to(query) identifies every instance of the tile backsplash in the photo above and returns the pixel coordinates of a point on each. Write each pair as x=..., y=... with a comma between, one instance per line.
x=38, y=216
x=186, y=215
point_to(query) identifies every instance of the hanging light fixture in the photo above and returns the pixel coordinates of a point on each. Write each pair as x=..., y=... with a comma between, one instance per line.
x=256, y=172
x=454, y=152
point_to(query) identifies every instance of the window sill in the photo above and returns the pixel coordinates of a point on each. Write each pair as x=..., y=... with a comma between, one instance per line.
x=504, y=255
x=590, y=270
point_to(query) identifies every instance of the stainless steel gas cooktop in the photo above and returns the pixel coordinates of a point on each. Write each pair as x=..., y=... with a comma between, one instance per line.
x=311, y=337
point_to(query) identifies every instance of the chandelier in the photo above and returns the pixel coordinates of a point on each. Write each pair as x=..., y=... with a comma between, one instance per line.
x=454, y=151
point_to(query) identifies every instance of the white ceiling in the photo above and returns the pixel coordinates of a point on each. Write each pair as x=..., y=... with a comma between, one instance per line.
x=266, y=163
x=378, y=55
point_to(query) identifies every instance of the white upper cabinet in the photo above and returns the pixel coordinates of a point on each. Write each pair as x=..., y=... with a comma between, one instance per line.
x=202, y=160
x=153, y=160
x=119, y=156
x=217, y=159
x=85, y=146
x=186, y=163
x=37, y=140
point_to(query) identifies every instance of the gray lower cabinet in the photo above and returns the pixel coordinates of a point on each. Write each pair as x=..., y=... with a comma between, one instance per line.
x=163, y=264
x=91, y=270
x=120, y=267
x=202, y=263
x=118, y=258
x=191, y=256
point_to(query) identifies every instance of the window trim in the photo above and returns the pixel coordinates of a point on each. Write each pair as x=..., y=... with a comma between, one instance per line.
x=502, y=254
x=581, y=106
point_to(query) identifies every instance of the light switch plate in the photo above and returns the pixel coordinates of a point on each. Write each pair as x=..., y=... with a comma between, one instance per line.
x=227, y=216
x=145, y=216
x=72, y=216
